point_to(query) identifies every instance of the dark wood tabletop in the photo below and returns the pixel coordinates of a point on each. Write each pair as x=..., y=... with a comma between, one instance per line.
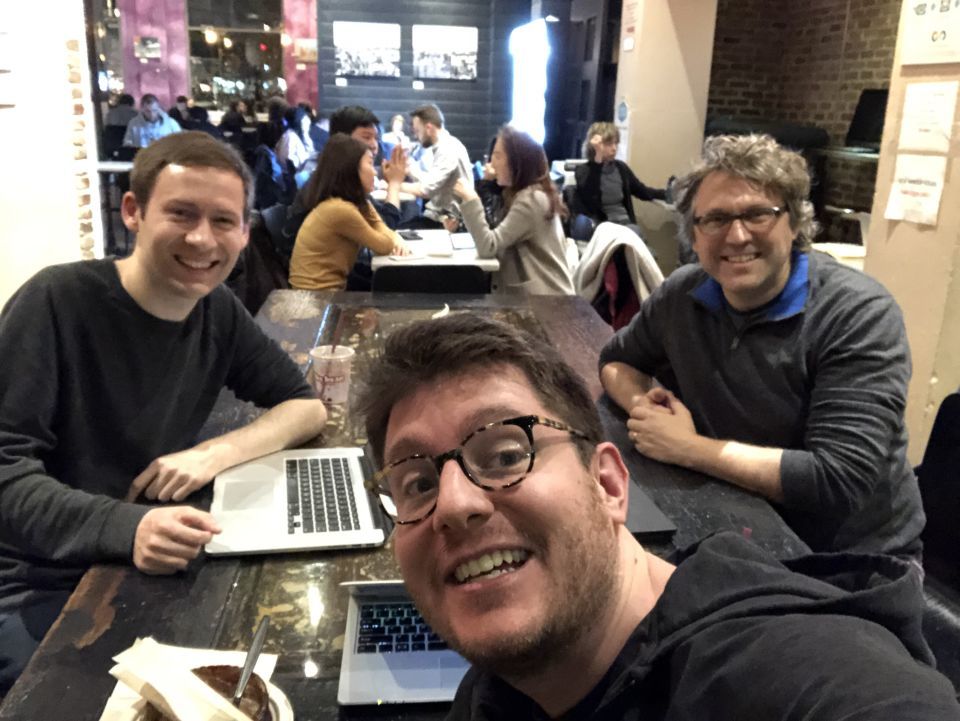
x=217, y=602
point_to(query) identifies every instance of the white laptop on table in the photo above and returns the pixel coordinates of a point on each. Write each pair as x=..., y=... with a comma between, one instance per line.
x=295, y=500
x=390, y=655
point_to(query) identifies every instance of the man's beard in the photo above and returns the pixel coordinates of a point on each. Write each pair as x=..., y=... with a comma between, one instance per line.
x=426, y=143
x=586, y=587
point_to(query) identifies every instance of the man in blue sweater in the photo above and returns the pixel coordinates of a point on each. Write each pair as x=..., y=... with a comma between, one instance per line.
x=111, y=368
x=778, y=369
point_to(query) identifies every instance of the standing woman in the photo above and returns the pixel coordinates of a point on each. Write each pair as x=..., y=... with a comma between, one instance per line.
x=529, y=240
x=342, y=219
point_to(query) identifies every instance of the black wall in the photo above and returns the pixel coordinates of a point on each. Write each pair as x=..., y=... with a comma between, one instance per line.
x=473, y=109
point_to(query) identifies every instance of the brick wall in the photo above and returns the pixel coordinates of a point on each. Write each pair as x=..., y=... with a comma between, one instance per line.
x=806, y=62
x=747, y=54
x=79, y=92
x=803, y=62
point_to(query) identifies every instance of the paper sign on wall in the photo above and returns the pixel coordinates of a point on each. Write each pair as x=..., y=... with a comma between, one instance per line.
x=931, y=32
x=623, y=126
x=928, y=116
x=916, y=189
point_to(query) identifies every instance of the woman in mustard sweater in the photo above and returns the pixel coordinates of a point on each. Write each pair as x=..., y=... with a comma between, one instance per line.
x=342, y=219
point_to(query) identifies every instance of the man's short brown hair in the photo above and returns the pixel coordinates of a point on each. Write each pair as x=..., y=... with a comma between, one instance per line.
x=192, y=149
x=427, y=351
x=429, y=114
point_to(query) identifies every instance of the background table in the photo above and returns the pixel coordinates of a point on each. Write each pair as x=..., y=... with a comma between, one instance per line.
x=436, y=248
x=217, y=602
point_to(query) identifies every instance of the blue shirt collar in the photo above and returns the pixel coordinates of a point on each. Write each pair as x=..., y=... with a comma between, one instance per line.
x=791, y=300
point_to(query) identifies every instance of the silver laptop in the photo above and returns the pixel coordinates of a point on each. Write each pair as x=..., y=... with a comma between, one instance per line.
x=294, y=500
x=390, y=655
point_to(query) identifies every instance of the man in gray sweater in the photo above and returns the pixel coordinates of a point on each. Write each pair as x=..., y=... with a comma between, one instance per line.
x=779, y=370
x=111, y=368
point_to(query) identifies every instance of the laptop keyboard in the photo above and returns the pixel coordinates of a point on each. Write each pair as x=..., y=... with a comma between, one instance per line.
x=395, y=627
x=320, y=496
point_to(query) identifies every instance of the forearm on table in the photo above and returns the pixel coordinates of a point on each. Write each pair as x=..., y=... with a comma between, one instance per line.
x=414, y=189
x=624, y=384
x=285, y=425
x=755, y=468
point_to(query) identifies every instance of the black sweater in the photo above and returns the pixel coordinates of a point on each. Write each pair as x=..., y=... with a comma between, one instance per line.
x=738, y=635
x=92, y=389
x=588, y=197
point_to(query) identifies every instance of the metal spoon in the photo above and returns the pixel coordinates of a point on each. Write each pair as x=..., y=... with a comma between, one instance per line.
x=252, y=655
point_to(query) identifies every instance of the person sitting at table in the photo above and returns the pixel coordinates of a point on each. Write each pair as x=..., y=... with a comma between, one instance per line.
x=295, y=148
x=780, y=370
x=510, y=538
x=110, y=369
x=180, y=112
x=121, y=113
x=396, y=136
x=528, y=241
x=150, y=124
x=235, y=119
x=443, y=162
x=317, y=132
x=605, y=185
x=342, y=220
x=361, y=124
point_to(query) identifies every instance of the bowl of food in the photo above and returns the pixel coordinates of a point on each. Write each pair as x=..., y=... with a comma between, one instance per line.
x=261, y=700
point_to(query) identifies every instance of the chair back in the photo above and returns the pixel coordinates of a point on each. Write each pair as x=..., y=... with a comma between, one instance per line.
x=449, y=279
x=282, y=230
x=112, y=140
x=939, y=478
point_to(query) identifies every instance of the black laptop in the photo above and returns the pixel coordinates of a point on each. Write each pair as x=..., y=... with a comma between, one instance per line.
x=644, y=519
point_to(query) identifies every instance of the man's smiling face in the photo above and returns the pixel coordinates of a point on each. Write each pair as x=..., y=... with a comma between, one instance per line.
x=503, y=576
x=752, y=267
x=191, y=231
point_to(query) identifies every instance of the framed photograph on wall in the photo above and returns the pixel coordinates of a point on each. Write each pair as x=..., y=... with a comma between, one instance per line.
x=145, y=47
x=445, y=52
x=367, y=49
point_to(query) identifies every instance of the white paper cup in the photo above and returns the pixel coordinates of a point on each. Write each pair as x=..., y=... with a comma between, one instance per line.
x=330, y=372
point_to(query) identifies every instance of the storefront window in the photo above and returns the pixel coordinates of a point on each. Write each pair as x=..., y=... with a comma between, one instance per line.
x=236, y=50
x=230, y=64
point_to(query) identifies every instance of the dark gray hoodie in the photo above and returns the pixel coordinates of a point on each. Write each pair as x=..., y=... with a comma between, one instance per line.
x=739, y=635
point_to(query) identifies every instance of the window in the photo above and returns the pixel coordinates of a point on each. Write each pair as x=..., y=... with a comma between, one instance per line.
x=236, y=50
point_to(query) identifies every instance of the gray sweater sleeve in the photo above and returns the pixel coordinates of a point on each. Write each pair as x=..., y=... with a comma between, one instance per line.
x=39, y=514
x=857, y=399
x=518, y=226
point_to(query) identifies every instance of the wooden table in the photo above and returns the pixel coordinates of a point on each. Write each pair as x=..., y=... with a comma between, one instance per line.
x=216, y=603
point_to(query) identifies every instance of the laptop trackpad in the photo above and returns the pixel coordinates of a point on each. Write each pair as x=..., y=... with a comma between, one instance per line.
x=247, y=495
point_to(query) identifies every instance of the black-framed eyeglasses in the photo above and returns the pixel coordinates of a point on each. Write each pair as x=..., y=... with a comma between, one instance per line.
x=498, y=455
x=758, y=219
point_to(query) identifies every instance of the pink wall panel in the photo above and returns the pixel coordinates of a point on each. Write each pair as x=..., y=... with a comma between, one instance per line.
x=300, y=22
x=166, y=76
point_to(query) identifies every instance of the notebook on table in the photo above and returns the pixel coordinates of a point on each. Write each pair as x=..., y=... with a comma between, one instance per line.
x=390, y=654
x=295, y=500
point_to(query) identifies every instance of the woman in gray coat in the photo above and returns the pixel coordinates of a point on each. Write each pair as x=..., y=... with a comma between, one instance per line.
x=528, y=241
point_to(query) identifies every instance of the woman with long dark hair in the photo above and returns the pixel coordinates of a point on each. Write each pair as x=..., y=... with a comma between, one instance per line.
x=342, y=219
x=295, y=145
x=528, y=241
